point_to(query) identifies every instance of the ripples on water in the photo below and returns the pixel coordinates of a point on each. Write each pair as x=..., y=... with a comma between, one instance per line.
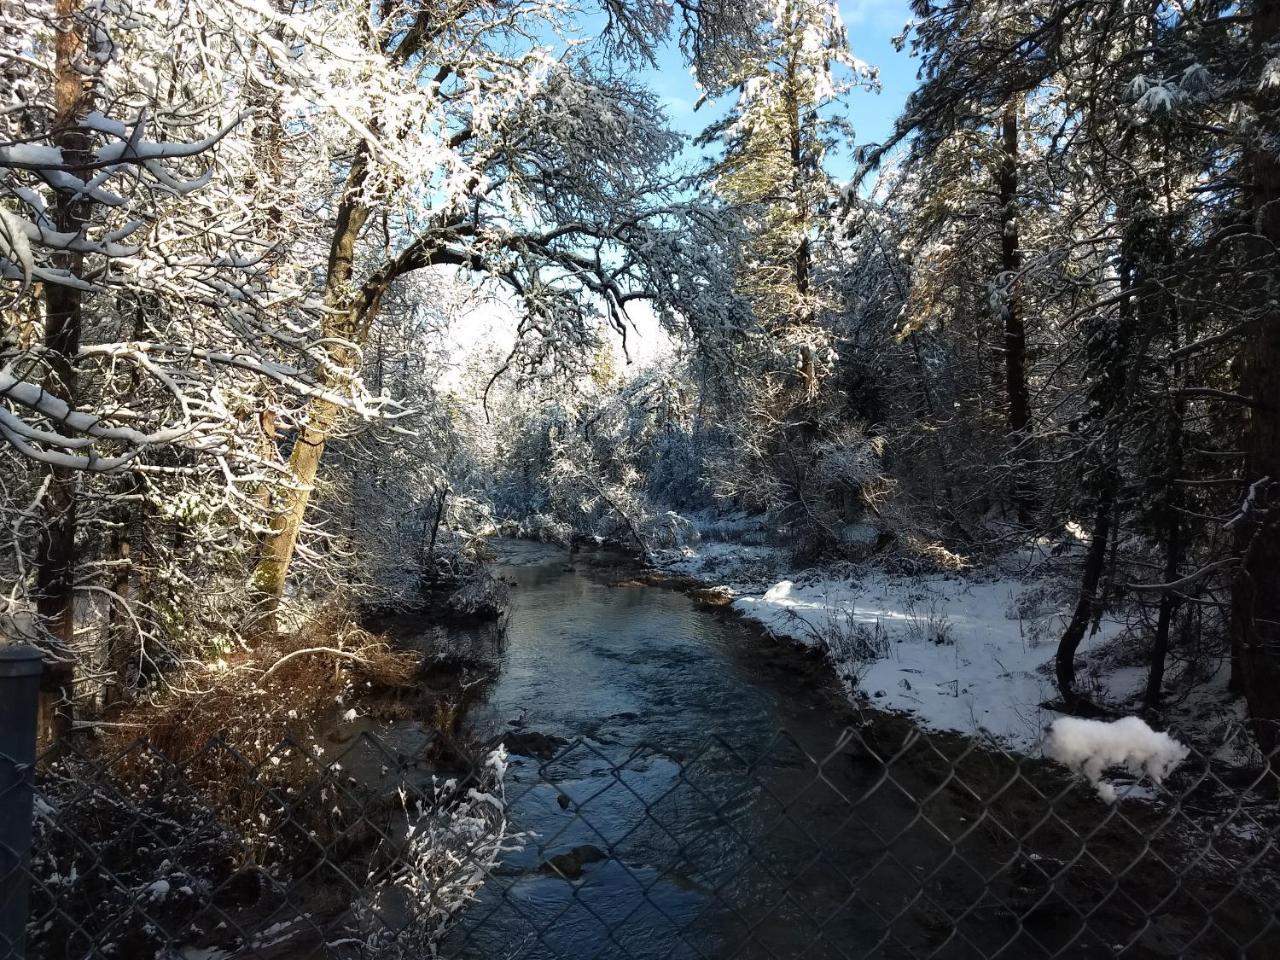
x=722, y=837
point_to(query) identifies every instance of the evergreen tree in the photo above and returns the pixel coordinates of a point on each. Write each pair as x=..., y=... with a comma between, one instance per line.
x=775, y=142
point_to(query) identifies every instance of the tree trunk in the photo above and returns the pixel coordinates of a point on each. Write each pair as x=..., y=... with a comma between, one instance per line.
x=345, y=328
x=1088, y=600
x=1255, y=619
x=1172, y=500
x=1017, y=392
x=429, y=563
x=803, y=264
x=1172, y=558
x=346, y=320
x=56, y=553
x=1015, y=334
x=120, y=628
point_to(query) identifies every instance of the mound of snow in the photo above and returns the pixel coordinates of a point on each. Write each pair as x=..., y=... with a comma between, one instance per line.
x=1091, y=746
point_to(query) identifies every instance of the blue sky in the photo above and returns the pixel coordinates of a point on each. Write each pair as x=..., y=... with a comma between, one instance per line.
x=871, y=24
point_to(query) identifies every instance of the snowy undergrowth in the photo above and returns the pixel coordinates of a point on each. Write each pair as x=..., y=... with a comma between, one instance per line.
x=449, y=851
x=971, y=653
x=730, y=549
x=740, y=566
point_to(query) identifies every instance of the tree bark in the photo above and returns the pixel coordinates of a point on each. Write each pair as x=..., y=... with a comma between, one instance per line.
x=429, y=563
x=1015, y=333
x=1168, y=315
x=1017, y=391
x=344, y=328
x=56, y=553
x=1169, y=599
x=1255, y=619
x=803, y=263
x=1087, y=602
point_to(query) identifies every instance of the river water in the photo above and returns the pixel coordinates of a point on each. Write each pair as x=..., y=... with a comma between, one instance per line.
x=706, y=763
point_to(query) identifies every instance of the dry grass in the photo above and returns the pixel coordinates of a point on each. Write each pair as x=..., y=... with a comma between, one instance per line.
x=273, y=689
x=239, y=787
x=240, y=732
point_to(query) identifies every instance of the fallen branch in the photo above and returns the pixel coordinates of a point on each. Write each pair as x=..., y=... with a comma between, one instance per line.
x=333, y=651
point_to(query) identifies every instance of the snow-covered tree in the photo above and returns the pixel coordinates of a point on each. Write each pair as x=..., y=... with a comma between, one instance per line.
x=143, y=319
x=450, y=146
x=775, y=141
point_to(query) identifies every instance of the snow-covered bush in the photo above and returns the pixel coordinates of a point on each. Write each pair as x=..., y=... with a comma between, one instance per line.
x=852, y=644
x=847, y=639
x=544, y=529
x=668, y=530
x=481, y=596
x=456, y=834
x=1089, y=747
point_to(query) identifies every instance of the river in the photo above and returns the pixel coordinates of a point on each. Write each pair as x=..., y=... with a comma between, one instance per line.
x=706, y=763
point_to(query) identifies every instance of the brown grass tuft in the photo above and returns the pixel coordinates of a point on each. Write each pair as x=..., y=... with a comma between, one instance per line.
x=242, y=732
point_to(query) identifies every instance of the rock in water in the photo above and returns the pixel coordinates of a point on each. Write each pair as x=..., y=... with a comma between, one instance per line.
x=569, y=864
x=531, y=743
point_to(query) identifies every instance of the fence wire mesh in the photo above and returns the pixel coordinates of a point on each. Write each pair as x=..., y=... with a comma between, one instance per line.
x=888, y=843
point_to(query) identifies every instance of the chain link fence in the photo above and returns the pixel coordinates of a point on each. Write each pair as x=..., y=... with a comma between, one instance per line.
x=398, y=843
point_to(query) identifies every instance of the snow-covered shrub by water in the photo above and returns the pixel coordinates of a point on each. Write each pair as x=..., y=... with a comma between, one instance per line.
x=1089, y=747
x=481, y=595
x=453, y=842
x=544, y=528
x=668, y=530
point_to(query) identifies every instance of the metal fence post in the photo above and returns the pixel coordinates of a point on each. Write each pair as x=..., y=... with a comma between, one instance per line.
x=19, y=710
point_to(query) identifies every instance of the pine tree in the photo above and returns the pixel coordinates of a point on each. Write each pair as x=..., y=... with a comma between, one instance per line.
x=775, y=141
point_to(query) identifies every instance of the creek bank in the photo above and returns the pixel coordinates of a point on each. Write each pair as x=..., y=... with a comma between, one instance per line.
x=962, y=772
x=671, y=709
x=237, y=755
x=455, y=602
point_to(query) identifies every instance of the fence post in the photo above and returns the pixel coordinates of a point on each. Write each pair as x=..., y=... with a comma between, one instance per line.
x=19, y=709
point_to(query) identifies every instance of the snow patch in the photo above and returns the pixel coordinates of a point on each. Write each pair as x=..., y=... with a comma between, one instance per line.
x=1091, y=746
x=960, y=654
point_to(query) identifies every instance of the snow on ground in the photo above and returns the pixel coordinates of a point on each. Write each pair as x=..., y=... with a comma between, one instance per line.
x=971, y=654
x=958, y=654
x=1091, y=746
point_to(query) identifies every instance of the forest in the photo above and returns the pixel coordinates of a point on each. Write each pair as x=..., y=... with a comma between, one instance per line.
x=1036, y=325
x=420, y=417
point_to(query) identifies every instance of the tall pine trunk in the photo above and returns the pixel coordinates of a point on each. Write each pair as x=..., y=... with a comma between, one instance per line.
x=1255, y=620
x=1172, y=509
x=1168, y=315
x=1016, y=389
x=1017, y=392
x=1112, y=379
x=803, y=265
